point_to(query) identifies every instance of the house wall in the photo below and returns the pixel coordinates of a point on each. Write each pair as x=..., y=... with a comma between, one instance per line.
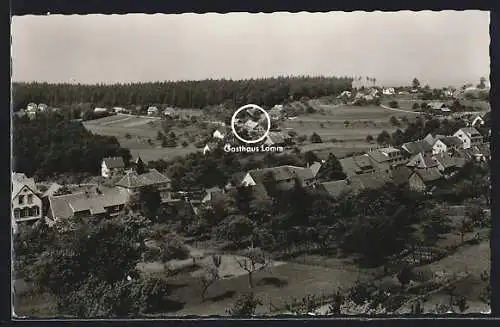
x=465, y=139
x=26, y=206
x=439, y=147
x=248, y=180
x=416, y=183
x=108, y=173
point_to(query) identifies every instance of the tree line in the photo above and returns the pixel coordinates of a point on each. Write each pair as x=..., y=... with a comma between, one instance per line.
x=182, y=94
x=53, y=144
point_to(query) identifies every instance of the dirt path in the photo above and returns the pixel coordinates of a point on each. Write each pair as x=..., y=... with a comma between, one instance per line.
x=400, y=110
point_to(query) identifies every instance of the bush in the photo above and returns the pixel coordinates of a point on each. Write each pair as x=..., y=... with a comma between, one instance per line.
x=315, y=138
x=394, y=104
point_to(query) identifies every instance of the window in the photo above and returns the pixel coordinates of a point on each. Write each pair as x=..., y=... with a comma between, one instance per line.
x=21, y=199
x=30, y=198
x=17, y=213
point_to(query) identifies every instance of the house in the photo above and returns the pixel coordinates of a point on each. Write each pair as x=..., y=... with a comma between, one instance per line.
x=42, y=107
x=152, y=111
x=100, y=110
x=424, y=179
x=446, y=164
x=26, y=204
x=252, y=126
x=439, y=106
x=415, y=147
x=119, y=110
x=218, y=135
x=133, y=182
x=335, y=189
x=101, y=203
x=212, y=195
x=112, y=166
x=345, y=94
x=422, y=160
x=277, y=139
x=284, y=176
x=446, y=144
x=370, y=181
x=469, y=137
x=315, y=167
x=32, y=107
x=477, y=121
x=170, y=112
x=431, y=139
x=388, y=91
x=276, y=112
x=388, y=156
x=400, y=175
x=357, y=165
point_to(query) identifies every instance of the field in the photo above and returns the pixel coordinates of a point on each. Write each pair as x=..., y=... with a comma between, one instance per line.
x=139, y=135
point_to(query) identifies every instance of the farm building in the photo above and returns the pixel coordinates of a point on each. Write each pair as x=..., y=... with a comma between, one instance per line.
x=277, y=138
x=415, y=147
x=170, y=112
x=446, y=163
x=422, y=160
x=112, y=166
x=285, y=176
x=387, y=156
x=133, y=182
x=370, y=181
x=388, y=91
x=335, y=189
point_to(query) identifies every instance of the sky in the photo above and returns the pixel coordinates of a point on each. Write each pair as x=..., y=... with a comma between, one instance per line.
x=439, y=48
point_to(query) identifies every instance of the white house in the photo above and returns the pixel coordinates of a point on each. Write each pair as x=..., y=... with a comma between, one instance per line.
x=345, y=94
x=119, y=110
x=100, y=110
x=218, y=135
x=152, y=111
x=26, y=204
x=388, y=91
x=477, y=121
x=112, y=166
x=446, y=144
x=42, y=107
x=469, y=137
x=206, y=149
x=170, y=112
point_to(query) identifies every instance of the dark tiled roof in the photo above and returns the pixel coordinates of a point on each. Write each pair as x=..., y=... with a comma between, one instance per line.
x=422, y=161
x=400, y=175
x=133, y=180
x=429, y=174
x=336, y=188
x=283, y=173
x=114, y=162
x=368, y=181
x=417, y=147
x=451, y=141
x=352, y=165
x=445, y=160
x=470, y=131
x=315, y=167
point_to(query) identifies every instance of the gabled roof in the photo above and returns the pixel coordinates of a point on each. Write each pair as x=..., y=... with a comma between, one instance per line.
x=422, y=160
x=352, y=165
x=282, y=173
x=23, y=179
x=382, y=155
x=400, y=175
x=134, y=180
x=417, y=147
x=470, y=131
x=276, y=138
x=114, y=162
x=315, y=167
x=368, y=181
x=445, y=160
x=429, y=174
x=336, y=188
x=17, y=187
x=450, y=141
x=64, y=206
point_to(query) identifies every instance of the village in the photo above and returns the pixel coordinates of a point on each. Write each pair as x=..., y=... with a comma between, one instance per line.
x=424, y=165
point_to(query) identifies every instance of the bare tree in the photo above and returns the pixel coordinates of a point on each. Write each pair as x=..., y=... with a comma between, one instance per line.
x=252, y=260
x=207, y=278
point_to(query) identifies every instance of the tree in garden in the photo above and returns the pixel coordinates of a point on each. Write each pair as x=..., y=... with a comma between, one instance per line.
x=331, y=169
x=394, y=121
x=208, y=276
x=251, y=261
x=461, y=303
x=149, y=202
x=369, y=139
x=384, y=138
x=237, y=229
x=394, y=104
x=404, y=276
x=245, y=305
x=415, y=83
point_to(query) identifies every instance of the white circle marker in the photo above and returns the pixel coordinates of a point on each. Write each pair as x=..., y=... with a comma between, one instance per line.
x=254, y=106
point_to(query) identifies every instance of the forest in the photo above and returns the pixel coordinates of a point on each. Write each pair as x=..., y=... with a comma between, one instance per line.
x=52, y=144
x=181, y=94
